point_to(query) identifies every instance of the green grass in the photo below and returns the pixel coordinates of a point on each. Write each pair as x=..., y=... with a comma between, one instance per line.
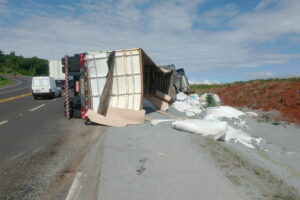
x=4, y=81
x=210, y=101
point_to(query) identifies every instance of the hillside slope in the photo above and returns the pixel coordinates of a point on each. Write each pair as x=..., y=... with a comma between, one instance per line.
x=281, y=95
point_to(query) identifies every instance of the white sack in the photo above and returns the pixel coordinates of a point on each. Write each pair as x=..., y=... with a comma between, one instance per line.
x=181, y=106
x=224, y=112
x=192, y=112
x=154, y=122
x=214, y=128
x=181, y=96
x=252, y=114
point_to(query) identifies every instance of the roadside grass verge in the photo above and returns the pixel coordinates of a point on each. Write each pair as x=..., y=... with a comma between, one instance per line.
x=245, y=174
x=4, y=81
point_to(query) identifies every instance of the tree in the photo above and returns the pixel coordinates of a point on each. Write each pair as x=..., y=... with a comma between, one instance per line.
x=10, y=63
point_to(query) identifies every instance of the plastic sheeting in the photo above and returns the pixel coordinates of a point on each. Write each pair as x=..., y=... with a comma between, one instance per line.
x=217, y=129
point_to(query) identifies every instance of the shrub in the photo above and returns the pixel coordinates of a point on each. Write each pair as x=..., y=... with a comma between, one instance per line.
x=210, y=100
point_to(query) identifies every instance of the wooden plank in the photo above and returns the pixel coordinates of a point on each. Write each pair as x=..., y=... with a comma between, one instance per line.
x=107, y=90
x=158, y=103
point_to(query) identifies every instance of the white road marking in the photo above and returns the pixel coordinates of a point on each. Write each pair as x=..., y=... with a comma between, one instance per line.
x=15, y=156
x=4, y=122
x=75, y=187
x=15, y=90
x=33, y=109
x=54, y=99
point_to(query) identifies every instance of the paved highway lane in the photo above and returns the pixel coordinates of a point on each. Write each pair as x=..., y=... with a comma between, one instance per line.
x=37, y=144
x=21, y=85
x=25, y=123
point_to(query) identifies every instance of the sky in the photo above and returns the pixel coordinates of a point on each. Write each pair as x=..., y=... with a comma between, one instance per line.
x=215, y=41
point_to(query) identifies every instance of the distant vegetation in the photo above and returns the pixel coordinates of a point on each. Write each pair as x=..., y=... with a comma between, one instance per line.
x=201, y=88
x=211, y=102
x=13, y=64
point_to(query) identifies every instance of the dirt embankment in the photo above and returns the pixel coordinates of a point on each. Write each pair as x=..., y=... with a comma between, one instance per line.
x=283, y=96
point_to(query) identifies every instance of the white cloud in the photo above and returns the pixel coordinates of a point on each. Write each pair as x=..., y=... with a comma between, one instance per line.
x=262, y=75
x=204, y=82
x=265, y=3
x=218, y=15
x=165, y=29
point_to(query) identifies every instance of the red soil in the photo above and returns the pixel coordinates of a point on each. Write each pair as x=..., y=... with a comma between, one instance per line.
x=283, y=96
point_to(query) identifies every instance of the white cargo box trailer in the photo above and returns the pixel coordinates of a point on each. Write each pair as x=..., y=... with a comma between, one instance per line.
x=55, y=71
x=134, y=77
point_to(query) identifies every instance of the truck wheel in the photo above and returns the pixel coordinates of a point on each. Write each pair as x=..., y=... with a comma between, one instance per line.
x=35, y=97
x=59, y=95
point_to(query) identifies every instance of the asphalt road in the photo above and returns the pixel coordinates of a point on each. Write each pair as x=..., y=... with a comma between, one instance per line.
x=27, y=127
x=26, y=124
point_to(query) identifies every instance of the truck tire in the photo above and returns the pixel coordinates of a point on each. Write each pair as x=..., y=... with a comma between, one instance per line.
x=59, y=95
x=35, y=97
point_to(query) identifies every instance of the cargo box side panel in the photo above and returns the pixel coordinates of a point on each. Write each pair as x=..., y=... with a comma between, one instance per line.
x=127, y=80
x=97, y=70
x=55, y=70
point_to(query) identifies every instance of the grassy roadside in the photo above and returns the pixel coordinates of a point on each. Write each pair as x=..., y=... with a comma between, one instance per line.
x=4, y=81
x=243, y=173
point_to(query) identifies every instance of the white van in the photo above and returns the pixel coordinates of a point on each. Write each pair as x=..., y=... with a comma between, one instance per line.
x=44, y=86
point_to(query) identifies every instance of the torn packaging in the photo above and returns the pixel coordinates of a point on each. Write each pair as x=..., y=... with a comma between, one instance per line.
x=117, y=117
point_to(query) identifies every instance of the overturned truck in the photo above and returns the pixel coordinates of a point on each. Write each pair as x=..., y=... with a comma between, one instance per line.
x=110, y=86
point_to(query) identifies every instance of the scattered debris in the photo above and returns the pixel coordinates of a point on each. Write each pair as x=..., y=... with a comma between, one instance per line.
x=252, y=114
x=141, y=167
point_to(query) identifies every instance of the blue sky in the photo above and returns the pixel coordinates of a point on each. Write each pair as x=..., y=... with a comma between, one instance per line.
x=214, y=40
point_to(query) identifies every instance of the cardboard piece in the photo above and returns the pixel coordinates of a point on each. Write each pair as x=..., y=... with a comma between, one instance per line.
x=117, y=117
x=126, y=115
x=100, y=119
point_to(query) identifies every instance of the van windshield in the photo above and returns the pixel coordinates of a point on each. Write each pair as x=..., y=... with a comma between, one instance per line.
x=40, y=82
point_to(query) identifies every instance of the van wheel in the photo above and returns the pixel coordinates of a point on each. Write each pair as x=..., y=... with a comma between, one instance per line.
x=35, y=97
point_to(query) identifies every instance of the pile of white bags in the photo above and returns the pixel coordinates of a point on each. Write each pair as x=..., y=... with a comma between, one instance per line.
x=190, y=105
x=213, y=121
